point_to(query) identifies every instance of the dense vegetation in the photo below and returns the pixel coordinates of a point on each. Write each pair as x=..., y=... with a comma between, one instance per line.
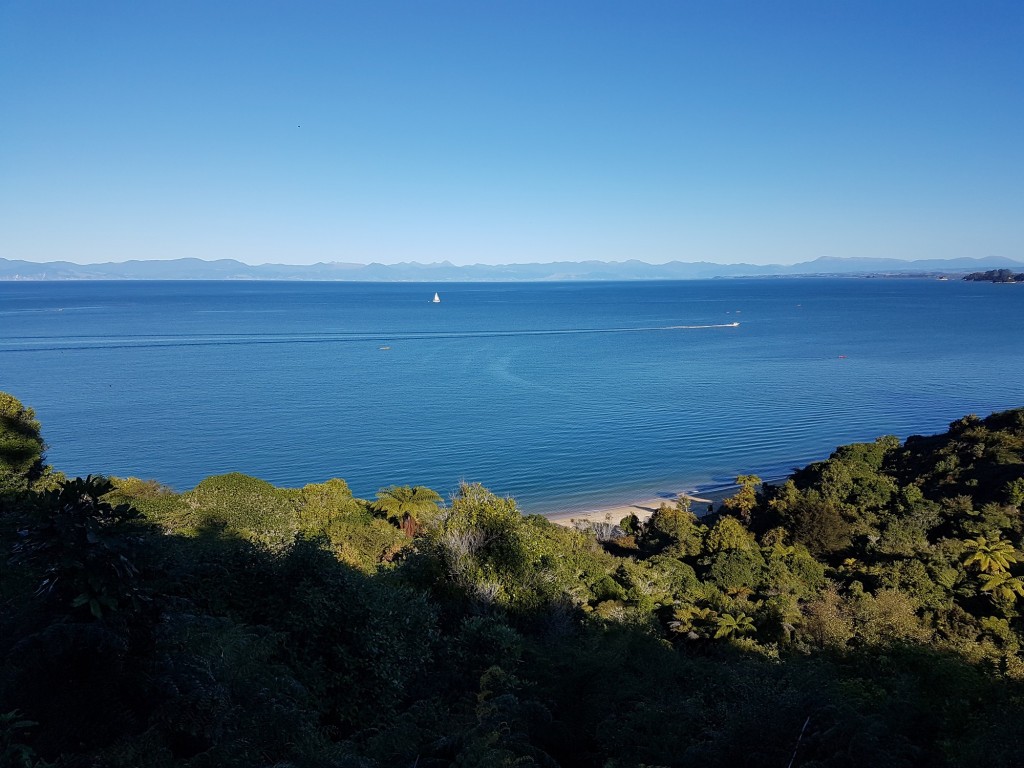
x=866, y=612
x=996, y=276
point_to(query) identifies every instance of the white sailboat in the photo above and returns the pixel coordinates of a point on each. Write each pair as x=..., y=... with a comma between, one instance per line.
x=437, y=299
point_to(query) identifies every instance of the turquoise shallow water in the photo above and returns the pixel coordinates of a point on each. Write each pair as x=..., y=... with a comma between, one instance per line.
x=563, y=395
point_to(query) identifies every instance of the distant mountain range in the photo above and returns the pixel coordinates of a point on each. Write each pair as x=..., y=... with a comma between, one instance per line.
x=229, y=269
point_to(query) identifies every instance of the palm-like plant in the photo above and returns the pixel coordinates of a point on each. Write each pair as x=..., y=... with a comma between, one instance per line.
x=1002, y=584
x=990, y=556
x=402, y=504
x=689, y=619
x=739, y=593
x=729, y=625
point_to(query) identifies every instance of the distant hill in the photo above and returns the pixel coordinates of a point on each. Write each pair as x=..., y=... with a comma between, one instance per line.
x=229, y=269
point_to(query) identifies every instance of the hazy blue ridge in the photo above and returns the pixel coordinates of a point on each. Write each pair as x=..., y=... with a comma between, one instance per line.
x=633, y=269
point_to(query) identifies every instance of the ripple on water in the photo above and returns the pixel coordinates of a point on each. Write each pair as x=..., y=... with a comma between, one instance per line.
x=556, y=394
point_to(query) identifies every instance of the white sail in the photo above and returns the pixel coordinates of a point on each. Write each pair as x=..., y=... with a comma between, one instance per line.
x=437, y=299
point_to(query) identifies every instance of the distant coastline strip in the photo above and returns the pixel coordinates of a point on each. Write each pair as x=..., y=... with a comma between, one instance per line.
x=196, y=340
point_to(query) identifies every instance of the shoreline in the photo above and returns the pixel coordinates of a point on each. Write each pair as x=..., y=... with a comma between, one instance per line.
x=701, y=497
x=643, y=509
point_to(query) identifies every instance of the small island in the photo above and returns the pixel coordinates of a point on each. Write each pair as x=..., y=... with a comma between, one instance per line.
x=996, y=276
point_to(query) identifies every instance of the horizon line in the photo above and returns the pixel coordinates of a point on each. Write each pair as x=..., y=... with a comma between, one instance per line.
x=446, y=263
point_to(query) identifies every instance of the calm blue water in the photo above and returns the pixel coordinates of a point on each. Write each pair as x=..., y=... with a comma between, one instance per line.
x=563, y=395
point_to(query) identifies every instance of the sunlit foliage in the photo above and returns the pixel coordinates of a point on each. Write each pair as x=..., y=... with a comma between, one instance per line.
x=866, y=611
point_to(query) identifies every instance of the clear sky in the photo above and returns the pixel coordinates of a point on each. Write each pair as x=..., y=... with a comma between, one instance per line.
x=501, y=131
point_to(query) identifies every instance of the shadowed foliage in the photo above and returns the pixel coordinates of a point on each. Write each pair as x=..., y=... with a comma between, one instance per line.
x=865, y=612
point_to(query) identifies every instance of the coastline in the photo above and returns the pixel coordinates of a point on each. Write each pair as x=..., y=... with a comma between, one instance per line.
x=704, y=498
x=643, y=509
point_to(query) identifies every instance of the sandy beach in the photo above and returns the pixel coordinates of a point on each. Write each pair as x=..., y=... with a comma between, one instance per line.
x=642, y=509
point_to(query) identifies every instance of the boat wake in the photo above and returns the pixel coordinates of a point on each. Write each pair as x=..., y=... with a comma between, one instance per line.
x=64, y=343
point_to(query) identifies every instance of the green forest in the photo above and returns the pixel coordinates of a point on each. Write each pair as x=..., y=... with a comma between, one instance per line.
x=996, y=276
x=865, y=612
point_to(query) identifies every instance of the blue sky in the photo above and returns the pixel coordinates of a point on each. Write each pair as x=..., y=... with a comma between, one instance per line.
x=511, y=130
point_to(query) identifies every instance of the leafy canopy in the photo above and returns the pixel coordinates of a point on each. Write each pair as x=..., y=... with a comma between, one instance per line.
x=21, y=445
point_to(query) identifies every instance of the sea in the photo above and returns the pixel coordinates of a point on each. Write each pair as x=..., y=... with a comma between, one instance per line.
x=565, y=396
